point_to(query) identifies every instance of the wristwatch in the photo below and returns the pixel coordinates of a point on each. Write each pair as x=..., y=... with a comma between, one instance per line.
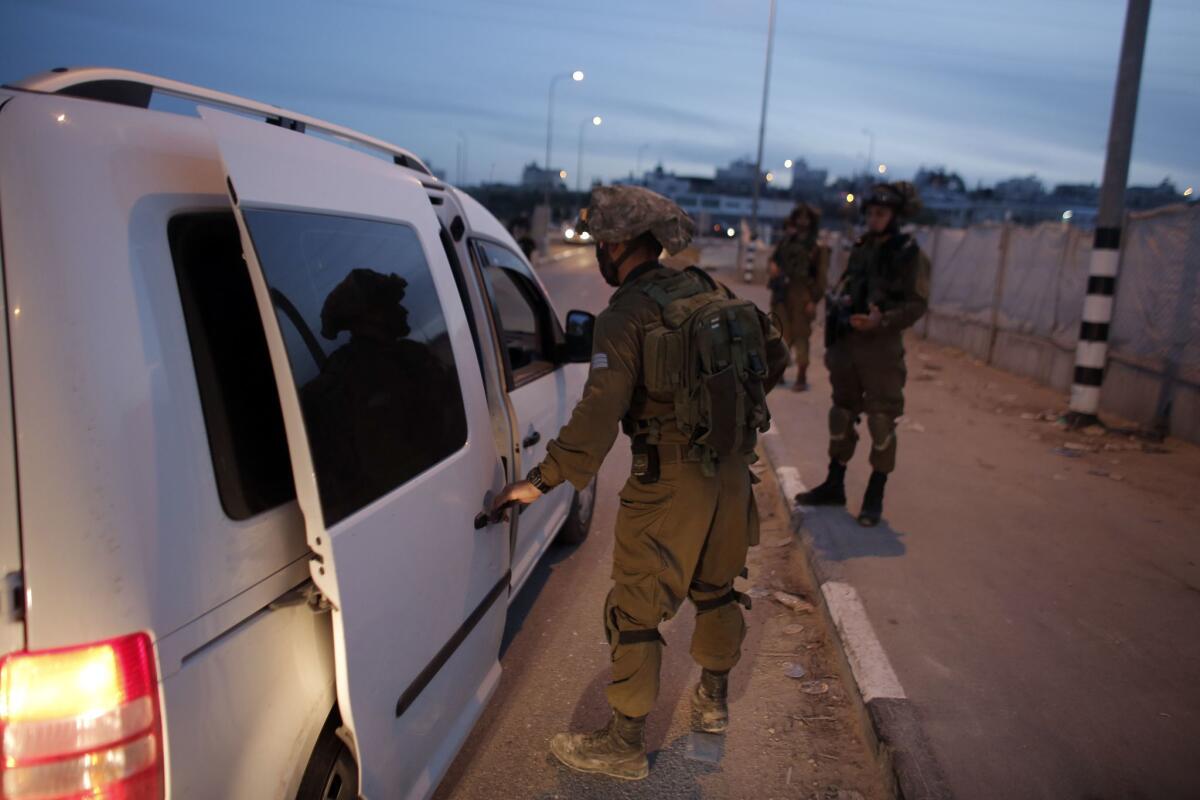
x=535, y=477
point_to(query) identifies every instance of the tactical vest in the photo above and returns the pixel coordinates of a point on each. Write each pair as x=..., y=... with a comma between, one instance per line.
x=709, y=352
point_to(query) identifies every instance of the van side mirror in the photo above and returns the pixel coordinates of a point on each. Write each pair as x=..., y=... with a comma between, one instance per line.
x=578, y=347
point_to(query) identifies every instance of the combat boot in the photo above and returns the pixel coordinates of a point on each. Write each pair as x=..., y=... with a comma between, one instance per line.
x=617, y=750
x=830, y=493
x=872, y=507
x=710, y=702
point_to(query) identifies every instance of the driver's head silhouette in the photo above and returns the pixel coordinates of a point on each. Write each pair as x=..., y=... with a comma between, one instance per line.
x=367, y=304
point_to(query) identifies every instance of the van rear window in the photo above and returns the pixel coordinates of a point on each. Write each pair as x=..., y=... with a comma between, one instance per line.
x=369, y=350
x=233, y=367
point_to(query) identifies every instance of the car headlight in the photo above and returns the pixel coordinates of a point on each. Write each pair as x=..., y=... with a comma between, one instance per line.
x=585, y=236
x=569, y=233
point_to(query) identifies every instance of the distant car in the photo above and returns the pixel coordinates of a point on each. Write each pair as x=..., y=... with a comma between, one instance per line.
x=571, y=236
x=242, y=485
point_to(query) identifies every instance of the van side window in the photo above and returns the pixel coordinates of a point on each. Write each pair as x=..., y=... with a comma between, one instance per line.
x=523, y=336
x=233, y=367
x=528, y=328
x=368, y=348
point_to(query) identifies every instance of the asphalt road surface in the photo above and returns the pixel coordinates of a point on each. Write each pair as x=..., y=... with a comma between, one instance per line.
x=788, y=737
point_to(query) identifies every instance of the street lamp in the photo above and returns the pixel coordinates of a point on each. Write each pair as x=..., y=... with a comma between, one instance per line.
x=883, y=169
x=579, y=163
x=849, y=197
x=787, y=163
x=641, y=150
x=576, y=76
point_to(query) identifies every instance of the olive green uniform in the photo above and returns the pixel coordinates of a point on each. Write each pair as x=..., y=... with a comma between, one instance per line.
x=805, y=264
x=683, y=536
x=866, y=368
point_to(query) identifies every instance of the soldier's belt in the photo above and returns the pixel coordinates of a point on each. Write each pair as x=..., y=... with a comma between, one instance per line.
x=676, y=453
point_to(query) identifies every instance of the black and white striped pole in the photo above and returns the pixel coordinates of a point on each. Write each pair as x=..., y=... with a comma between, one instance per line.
x=1091, y=354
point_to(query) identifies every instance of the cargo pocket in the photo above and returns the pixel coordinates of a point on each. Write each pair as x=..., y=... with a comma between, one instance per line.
x=636, y=549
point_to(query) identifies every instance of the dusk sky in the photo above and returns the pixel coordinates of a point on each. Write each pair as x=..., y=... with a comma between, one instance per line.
x=991, y=90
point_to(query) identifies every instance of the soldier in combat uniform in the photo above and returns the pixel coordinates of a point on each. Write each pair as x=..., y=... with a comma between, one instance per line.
x=798, y=271
x=685, y=522
x=884, y=290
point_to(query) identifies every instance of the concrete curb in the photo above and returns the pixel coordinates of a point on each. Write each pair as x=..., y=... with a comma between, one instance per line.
x=891, y=720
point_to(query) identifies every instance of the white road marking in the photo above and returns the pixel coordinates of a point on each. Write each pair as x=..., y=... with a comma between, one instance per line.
x=872, y=670
x=790, y=483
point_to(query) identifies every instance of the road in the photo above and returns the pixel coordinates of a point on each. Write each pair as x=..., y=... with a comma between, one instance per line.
x=1037, y=592
x=788, y=738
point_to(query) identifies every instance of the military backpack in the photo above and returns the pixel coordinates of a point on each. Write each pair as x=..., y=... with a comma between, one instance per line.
x=710, y=353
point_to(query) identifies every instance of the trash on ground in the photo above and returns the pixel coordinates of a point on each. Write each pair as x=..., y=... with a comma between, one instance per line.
x=793, y=670
x=758, y=591
x=792, y=630
x=814, y=687
x=793, y=602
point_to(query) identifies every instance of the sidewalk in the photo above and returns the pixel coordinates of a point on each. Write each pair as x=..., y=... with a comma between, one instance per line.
x=1036, y=592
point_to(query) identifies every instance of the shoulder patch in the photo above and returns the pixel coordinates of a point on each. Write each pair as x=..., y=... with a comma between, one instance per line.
x=600, y=361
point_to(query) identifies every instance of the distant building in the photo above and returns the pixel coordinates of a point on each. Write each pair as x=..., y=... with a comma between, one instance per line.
x=714, y=205
x=739, y=177
x=1020, y=190
x=1081, y=194
x=1141, y=198
x=808, y=185
x=534, y=176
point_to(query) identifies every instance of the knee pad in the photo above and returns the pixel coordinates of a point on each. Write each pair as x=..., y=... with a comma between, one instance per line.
x=883, y=430
x=841, y=422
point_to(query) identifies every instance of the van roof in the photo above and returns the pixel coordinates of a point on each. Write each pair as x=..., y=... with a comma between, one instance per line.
x=128, y=87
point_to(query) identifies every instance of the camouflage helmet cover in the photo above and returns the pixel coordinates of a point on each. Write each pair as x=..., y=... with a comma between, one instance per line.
x=900, y=196
x=623, y=213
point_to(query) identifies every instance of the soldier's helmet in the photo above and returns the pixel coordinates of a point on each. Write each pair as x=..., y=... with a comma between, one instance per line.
x=900, y=196
x=806, y=210
x=623, y=213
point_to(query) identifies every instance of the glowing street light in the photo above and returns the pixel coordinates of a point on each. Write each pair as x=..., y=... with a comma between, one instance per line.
x=596, y=120
x=562, y=173
x=787, y=163
x=1068, y=214
x=576, y=76
x=849, y=197
x=770, y=176
x=883, y=169
x=1187, y=192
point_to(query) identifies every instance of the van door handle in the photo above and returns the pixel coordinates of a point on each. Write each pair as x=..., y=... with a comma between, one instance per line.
x=531, y=439
x=485, y=518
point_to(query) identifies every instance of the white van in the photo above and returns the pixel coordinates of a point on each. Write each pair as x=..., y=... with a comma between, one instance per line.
x=259, y=377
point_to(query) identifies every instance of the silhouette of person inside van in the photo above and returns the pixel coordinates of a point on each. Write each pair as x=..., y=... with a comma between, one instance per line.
x=382, y=401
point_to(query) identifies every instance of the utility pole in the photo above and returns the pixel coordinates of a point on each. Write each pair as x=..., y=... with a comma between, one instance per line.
x=1091, y=354
x=748, y=269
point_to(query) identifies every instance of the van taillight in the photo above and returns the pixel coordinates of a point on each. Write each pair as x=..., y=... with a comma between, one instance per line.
x=82, y=722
